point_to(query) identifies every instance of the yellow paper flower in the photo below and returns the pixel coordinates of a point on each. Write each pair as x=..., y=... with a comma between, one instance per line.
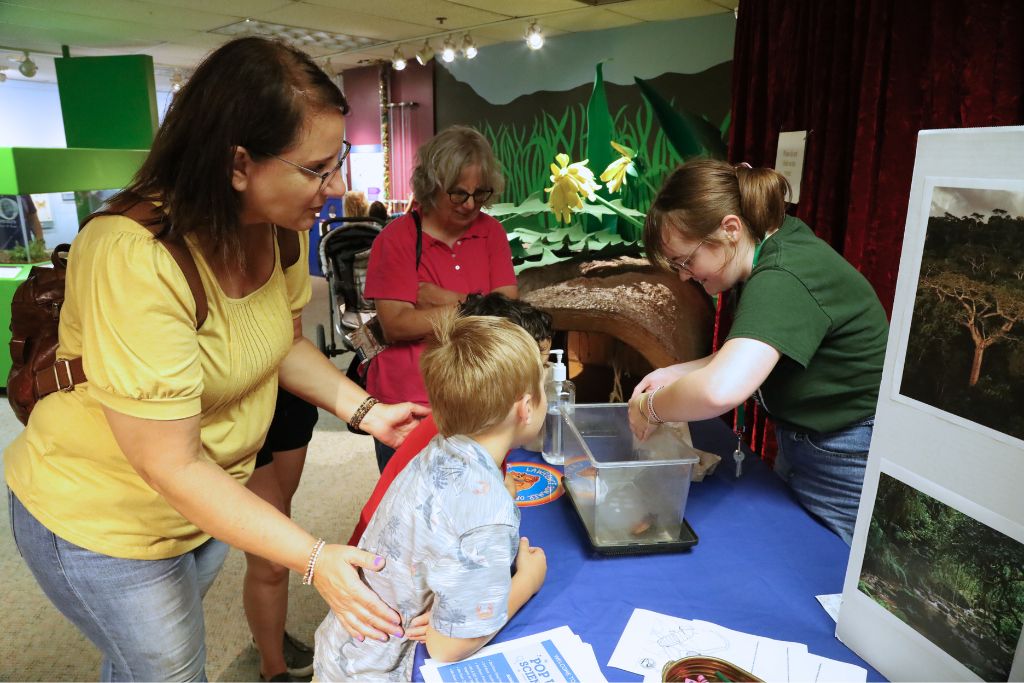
x=615, y=174
x=569, y=184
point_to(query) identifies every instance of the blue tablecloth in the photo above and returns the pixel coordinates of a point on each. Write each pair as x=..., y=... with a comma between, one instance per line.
x=759, y=563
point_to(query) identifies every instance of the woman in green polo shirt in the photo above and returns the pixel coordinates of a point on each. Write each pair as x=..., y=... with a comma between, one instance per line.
x=808, y=334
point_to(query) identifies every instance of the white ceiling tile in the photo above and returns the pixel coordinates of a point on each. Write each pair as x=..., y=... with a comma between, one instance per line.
x=423, y=12
x=666, y=10
x=594, y=20
x=44, y=12
x=338, y=21
x=522, y=8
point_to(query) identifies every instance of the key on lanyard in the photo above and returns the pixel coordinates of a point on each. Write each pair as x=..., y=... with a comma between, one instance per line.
x=741, y=426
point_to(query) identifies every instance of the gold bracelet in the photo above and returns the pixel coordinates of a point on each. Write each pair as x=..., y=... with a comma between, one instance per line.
x=652, y=416
x=641, y=400
x=361, y=411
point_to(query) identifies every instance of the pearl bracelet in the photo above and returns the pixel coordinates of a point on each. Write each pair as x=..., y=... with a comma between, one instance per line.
x=652, y=416
x=362, y=410
x=307, y=579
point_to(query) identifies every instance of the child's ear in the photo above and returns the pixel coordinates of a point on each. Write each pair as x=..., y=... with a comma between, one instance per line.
x=524, y=409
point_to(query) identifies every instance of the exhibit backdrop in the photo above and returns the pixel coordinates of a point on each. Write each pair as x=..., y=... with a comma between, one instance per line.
x=934, y=588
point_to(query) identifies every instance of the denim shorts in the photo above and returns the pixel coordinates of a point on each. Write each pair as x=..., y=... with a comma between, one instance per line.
x=826, y=471
x=145, y=616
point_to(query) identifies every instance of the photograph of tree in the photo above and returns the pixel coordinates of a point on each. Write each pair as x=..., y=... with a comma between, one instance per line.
x=956, y=581
x=965, y=352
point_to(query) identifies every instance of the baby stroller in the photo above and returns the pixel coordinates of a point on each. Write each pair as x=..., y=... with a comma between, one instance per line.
x=344, y=253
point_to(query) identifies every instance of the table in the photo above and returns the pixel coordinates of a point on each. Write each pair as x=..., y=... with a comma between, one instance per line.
x=760, y=561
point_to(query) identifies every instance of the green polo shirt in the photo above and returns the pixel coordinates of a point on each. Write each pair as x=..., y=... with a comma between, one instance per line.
x=822, y=315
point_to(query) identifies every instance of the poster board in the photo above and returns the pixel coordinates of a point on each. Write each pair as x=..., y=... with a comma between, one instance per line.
x=939, y=542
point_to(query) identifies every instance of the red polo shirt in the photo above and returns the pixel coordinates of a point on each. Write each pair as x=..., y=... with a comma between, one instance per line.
x=478, y=263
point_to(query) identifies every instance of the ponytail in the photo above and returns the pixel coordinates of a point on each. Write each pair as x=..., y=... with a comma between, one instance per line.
x=700, y=193
x=762, y=193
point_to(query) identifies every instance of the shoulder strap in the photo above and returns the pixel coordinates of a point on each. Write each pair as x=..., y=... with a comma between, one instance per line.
x=288, y=246
x=419, y=236
x=149, y=216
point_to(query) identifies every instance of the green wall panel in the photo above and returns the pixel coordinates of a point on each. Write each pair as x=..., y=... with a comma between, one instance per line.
x=108, y=102
x=32, y=170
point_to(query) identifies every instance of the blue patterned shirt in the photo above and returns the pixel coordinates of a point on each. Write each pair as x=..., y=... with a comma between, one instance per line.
x=450, y=531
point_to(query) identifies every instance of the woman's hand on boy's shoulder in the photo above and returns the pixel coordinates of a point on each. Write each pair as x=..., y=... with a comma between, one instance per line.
x=390, y=423
x=531, y=565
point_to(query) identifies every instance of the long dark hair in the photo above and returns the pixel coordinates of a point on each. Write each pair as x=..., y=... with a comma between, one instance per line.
x=250, y=92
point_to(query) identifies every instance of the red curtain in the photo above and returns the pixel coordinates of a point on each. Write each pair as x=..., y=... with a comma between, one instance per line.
x=864, y=76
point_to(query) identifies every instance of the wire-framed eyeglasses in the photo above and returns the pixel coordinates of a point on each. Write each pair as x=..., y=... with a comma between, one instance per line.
x=684, y=265
x=460, y=197
x=326, y=176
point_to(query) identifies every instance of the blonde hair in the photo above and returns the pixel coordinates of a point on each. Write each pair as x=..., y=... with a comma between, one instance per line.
x=355, y=204
x=700, y=193
x=475, y=369
x=442, y=159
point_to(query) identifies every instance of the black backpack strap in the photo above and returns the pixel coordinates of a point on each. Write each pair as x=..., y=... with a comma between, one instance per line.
x=419, y=236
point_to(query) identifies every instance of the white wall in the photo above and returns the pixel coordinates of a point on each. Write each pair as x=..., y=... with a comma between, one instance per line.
x=30, y=116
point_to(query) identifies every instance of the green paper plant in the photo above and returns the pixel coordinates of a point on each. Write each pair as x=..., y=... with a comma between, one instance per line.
x=581, y=217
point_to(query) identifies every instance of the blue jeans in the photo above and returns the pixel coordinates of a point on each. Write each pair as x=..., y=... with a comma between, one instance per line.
x=826, y=472
x=145, y=616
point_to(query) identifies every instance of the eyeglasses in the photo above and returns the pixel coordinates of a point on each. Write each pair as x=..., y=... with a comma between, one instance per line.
x=684, y=267
x=327, y=176
x=460, y=197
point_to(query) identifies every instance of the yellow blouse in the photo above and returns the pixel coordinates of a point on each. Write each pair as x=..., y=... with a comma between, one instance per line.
x=130, y=314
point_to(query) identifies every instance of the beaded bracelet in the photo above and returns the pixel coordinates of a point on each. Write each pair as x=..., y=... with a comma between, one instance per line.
x=307, y=578
x=652, y=416
x=362, y=410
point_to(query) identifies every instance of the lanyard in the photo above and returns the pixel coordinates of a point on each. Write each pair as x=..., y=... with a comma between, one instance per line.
x=741, y=409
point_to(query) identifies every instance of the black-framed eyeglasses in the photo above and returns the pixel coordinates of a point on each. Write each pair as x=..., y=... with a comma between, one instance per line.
x=460, y=197
x=326, y=176
x=684, y=266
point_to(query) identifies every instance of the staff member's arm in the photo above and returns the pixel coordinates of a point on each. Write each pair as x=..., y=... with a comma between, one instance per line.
x=726, y=380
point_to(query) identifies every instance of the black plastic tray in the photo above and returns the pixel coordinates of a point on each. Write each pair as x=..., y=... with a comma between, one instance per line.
x=687, y=538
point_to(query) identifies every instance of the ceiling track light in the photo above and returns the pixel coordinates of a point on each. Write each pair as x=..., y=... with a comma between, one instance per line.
x=425, y=53
x=27, y=67
x=176, y=80
x=534, y=38
x=448, y=50
x=468, y=47
x=398, y=59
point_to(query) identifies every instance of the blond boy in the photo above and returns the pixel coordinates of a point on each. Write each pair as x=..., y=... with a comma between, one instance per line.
x=447, y=525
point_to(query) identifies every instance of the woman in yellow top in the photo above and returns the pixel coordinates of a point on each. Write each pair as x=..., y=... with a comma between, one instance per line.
x=119, y=488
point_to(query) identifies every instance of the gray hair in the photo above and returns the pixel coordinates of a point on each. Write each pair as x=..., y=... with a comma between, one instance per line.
x=442, y=159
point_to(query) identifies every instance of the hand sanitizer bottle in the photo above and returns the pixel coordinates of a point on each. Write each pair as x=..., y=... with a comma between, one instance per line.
x=561, y=395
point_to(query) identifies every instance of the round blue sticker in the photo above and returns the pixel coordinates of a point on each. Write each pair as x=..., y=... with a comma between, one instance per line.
x=536, y=484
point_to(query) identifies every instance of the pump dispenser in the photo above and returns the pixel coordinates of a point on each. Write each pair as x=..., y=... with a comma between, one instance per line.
x=561, y=395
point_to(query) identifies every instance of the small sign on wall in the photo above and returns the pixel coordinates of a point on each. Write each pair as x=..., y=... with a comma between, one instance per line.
x=789, y=160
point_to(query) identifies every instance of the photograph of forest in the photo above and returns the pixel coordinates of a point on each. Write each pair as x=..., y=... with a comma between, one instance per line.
x=954, y=580
x=965, y=351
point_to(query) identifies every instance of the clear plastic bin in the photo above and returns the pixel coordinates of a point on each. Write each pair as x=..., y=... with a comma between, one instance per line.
x=629, y=495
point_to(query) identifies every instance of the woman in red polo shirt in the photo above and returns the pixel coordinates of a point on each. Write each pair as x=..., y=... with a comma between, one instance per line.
x=432, y=257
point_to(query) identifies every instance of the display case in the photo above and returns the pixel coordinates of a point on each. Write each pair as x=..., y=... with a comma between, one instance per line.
x=630, y=495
